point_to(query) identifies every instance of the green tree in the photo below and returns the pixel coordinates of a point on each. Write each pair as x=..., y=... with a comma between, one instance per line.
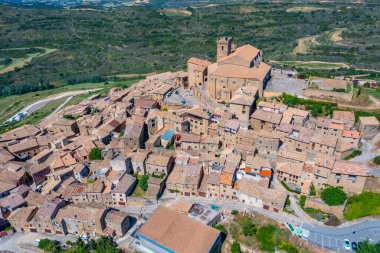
x=79, y=247
x=367, y=247
x=48, y=245
x=95, y=154
x=235, y=247
x=104, y=245
x=333, y=196
x=143, y=182
x=302, y=200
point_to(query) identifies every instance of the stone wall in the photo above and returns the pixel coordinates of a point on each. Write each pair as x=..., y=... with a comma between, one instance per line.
x=319, y=204
x=328, y=95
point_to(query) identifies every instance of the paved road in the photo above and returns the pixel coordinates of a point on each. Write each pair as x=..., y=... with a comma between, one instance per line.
x=368, y=153
x=332, y=238
x=41, y=103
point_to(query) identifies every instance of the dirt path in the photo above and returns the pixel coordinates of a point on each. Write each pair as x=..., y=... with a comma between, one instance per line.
x=25, y=61
x=336, y=36
x=302, y=46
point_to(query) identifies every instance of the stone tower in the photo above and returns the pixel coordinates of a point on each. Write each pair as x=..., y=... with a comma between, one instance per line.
x=224, y=46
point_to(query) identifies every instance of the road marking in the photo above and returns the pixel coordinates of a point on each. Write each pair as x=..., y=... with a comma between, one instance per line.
x=365, y=238
x=375, y=231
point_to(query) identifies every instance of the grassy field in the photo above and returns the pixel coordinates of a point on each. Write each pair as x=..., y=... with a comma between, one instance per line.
x=375, y=93
x=305, y=9
x=96, y=44
x=362, y=205
x=12, y=104
x=18, y=63
x=366, y=114
x=313, y=64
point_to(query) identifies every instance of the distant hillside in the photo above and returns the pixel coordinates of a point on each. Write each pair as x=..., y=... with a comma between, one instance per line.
x=93, y=44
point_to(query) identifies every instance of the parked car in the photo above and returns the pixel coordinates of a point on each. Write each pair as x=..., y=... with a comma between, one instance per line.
x=347, y=244
x=354, y=246
x=37, y=242
x=38, y=188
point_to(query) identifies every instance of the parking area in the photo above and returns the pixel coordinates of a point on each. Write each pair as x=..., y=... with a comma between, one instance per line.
x=25, y=242
x=326, y=241
x=334, y=238
x=181, y=97
x=282, y=82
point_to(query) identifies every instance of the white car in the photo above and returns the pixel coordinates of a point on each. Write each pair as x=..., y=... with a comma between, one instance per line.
x=37, y=242
x=347, y=244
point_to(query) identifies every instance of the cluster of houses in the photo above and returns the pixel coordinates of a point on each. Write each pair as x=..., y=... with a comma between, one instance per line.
x=49, y=182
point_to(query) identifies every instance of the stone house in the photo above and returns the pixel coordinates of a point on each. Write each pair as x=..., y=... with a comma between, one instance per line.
x=242, y=103
x=369, y=127
x=265, y=120
x=138, y=161
x=197, y=71
x=290, y=173
x=188, y=141
x=185, y=179
x=27, y=148
x=226, y=186
x=331, y=127
x=159, y=164
x=324, y=144
x=79, y=220
x=347, y=117
x=42, y=220
x=123, y=188
x=20, y=219
x=296, y=138
x=199, y=118
x=272, y=107
x=117, y=223
x=350, y=175
x=213, y=187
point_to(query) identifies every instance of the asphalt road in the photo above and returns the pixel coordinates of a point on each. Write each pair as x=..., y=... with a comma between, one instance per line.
x=41, y=103
x=333, y=237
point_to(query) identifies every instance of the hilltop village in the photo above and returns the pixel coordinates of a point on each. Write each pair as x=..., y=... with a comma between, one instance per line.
x=205, y=134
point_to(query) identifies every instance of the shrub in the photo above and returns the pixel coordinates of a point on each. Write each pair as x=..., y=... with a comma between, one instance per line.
x=95, y=154
x=333, y=196
x=287, y=247
x=313, y=192
x=235, y=247
x=302, y=201
x=48, y=245
x=377, y=160
x=288, y=188
x=234, y=212
x=90, y=181
x=143, y=183
x=221, y=228
x=353, y=154
x=247, y=225
x=266, y=237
